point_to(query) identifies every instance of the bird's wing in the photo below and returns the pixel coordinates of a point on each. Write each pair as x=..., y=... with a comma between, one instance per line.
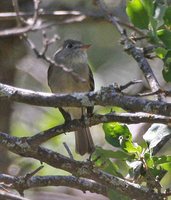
x=50, y=71
x=91, y=80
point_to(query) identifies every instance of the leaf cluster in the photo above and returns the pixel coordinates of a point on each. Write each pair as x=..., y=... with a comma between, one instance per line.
x=154, y=17
x=141, y=166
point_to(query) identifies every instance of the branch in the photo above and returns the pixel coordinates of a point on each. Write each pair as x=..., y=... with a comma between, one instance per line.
x=107, y=96
x=21, y=30
x=9, y=196
x=59, y=13
x=16, y=8
x=67, y=16
x=46, y=43
x=69, y=126
x=42, y=181
x=77, y=168
x=73, y=125
x=136, y=52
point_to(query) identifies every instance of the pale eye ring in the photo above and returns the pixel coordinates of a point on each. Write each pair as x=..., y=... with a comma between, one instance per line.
x=69, y=46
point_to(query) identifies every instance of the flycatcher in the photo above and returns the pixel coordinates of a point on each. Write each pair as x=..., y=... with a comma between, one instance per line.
x=73, y=56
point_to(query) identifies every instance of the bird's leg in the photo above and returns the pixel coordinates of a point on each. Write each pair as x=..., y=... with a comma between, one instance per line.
x=85, y=115
x=88, y=114
x=90, y=111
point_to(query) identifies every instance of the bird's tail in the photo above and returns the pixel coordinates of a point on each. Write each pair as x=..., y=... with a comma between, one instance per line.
x=83, y=141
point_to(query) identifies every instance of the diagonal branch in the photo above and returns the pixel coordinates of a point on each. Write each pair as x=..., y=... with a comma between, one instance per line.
x=21, y=30
x=77, y=168
x=10, y=196
x=136, y=52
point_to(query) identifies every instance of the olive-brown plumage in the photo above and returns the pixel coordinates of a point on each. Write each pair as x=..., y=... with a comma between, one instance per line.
x=73, y=56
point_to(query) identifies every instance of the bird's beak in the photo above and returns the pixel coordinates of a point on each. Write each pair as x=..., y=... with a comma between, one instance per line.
x=85, y=46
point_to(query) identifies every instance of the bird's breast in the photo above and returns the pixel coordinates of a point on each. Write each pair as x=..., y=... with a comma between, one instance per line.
x=61, y=81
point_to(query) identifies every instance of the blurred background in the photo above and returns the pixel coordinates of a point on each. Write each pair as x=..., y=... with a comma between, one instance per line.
x=20, y=67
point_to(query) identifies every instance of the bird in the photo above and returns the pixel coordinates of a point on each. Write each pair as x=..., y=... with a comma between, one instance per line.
x=73, y=57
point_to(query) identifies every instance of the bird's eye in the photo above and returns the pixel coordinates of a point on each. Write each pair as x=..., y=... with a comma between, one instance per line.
x=69, y=46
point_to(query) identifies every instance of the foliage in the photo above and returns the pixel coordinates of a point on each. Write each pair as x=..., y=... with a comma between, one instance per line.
x=155, y=18
x=141, y=165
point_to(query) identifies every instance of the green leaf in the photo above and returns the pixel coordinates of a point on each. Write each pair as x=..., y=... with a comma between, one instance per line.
x=166, y=166
x=167, y=67
x=154, y=172
x=163, y=162
x=111, y=168
x=165, y=36
x=149, y=160
x=161, y=52
x=130, y=147
x=103, y=162
x=121, y=155
x=167, y=73
x=138, y=14
x=148, y=6
x=167, y=16
x=159, y=13
x=113, y=132
x=161, y=159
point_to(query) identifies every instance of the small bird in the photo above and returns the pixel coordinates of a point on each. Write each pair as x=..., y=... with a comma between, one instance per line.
x=73, y=56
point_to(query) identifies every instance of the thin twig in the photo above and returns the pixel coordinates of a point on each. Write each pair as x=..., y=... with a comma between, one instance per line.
x=68, y=150
x=36, y=11
x=130, y=83
x=73, y=15
x=42, y=13
x=47, y=42
x=145, y=94
x=10, y=196
x=22, y=30
x=30, y=174
x=136, y=52
x=16, y=8
x=49, y=60
x=19, y=182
